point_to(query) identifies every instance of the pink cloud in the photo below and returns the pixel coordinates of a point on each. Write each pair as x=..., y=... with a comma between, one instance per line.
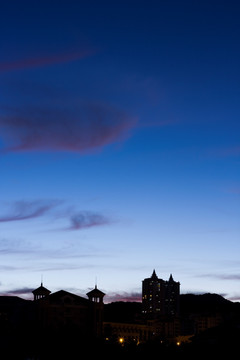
x=93, y=126
x=124, y=296
x=44, y=61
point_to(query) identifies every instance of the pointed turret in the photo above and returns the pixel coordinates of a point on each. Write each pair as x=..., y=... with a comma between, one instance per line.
x=96, y=295
x=41, y=292
x=154, y=275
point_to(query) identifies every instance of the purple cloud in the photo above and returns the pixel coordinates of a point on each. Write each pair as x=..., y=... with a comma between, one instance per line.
x=87, y=219
x=90, y=127
x=41, y=61
x=24, y=210
x=25, y=293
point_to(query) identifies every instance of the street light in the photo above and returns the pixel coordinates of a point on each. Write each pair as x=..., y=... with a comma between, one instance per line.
x=121, y=340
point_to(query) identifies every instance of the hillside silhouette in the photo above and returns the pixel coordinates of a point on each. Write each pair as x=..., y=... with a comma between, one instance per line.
x=20, y=339
x=215, y=341
x=189, y=304
x=121, y=311
x=205, y=302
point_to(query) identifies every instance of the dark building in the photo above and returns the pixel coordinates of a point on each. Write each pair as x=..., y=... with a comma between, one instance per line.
x=51, y=326
x=159, y=318
x=64, y=311
x=40, y=292
x=96, y=300
x=160, y=297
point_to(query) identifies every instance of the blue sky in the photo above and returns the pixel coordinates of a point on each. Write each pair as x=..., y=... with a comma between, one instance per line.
x=119, y=145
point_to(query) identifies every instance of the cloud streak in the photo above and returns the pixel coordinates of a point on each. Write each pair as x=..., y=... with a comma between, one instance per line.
x=24, y=210
x=124, y=296
x=222, y=276
x=87, y=219
x=25, y=292
x=29, y=63
x=88, y=127
x=79, y=220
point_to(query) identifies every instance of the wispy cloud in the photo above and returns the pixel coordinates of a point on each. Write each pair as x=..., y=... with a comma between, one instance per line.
x=16, y=247
x=87, y=219
x=90, y=126
x=222, y=276
x=27, y=210
x=41, y=61
x=33, y=257
x=21, y=292
x=234, y=297
x=8, y=268
x=24, y=210
x=123, y=296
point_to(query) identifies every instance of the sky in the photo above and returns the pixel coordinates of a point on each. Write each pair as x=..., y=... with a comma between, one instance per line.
x=119, y=145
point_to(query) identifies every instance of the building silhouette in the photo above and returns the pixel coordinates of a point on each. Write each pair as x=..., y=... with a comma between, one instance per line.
x=40, y=292
x=160, y=297
x=159, y=317
x=95, y=297
x=63, y=311
x=56, y=325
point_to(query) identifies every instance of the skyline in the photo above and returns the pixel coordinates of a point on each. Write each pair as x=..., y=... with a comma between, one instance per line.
x=119, y=146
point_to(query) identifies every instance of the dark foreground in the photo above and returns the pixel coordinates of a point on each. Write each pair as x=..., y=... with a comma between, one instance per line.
x=217, y=342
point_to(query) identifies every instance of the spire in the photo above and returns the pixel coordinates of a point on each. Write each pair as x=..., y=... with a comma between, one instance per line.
x=170, y=278
x=154, y=275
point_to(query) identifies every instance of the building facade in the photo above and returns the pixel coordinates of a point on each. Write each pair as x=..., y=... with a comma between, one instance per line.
x=134, y=333
x=63, y=311
x=160, y=297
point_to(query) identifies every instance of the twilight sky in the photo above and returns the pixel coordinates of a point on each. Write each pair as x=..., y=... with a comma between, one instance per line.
x=119, y=145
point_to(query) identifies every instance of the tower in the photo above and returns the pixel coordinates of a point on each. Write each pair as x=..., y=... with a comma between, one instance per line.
x=96, y=302
x=172, y=297
x=160, y=297
x=41, y=292
x=96, y=295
